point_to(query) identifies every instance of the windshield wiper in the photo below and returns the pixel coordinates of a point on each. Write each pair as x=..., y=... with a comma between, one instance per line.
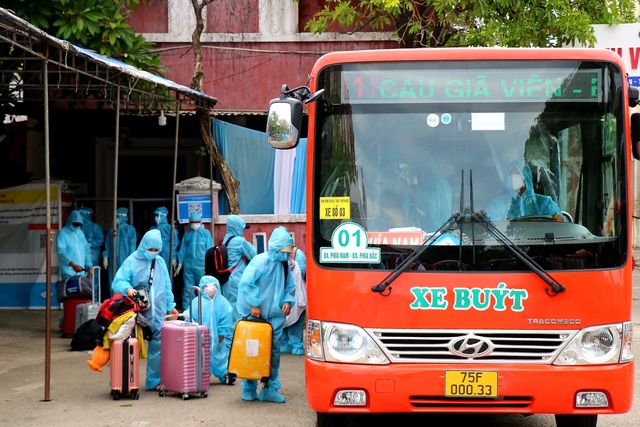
x=384, y=285
x=404, y=265
x=555, y=286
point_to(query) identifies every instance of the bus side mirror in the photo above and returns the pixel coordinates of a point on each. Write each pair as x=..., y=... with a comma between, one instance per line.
x=284, y=122
x=635, y=135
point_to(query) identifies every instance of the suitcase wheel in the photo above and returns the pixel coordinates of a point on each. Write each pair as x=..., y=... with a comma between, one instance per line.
x=135, y=395
x=185, y=396
x=229, y=378
x=115, y=394
x=265, y=382
x=162, y=392
x=204, y=394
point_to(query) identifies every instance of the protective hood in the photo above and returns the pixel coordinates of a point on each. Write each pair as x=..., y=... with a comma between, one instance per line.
x=280, y=238
x=301, y=259
x=86, y=215
x=525, y=172
x=162, y=212
x=235, y=225
x=123, y=214
x=210, y=286
x=74, y=216
x=151, y=239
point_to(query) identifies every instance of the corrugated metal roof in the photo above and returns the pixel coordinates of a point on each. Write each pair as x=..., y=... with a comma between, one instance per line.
x=20, y=33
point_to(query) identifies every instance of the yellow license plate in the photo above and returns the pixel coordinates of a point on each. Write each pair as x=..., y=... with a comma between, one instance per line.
x=471, y=383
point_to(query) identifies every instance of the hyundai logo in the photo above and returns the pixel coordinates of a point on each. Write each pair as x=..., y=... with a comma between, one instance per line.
x=471, y=346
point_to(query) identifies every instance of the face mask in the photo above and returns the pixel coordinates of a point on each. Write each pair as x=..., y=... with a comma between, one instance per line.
x=157, y=219
x=150, y=255
x=195, y=226
x=282, y=256
x=515, y=182
x=117, y=220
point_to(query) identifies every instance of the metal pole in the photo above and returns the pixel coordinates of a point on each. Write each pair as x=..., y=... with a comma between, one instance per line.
x=47, y=364
x=112, y=261
x=173, y=191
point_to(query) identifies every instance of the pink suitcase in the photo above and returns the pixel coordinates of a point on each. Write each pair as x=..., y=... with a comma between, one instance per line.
x=184, y=356
x=124, y=364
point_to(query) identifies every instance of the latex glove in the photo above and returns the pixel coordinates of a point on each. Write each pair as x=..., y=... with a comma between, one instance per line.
x=105, y=263
x=174, y=264
x=175, y=273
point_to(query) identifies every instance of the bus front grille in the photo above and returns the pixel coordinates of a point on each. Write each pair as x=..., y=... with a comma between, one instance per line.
x=481, y=346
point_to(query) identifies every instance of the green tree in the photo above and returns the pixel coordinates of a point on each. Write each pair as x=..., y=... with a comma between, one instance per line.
x=99, y=25
x=507, y=23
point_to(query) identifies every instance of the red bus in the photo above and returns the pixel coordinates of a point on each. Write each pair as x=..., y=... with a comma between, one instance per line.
x=469, y=231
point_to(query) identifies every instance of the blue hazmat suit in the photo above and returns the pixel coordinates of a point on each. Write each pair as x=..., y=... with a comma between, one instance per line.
x=163, y=225
x=94, y=234
x=126, y=238
x=512, y=205
x=217, y=315
x=239, y=253
x=261, y=286
x=195, y=243
x=135, y=271
x=73, y=247
x=294, y=324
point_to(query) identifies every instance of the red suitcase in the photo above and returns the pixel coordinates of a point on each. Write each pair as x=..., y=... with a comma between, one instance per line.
x=184, y=356
x=69, y=313
x=124, y=364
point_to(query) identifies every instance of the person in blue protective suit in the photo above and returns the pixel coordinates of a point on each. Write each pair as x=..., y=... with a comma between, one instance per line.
x=161, y=223
x=74, y=252
x=217, y=315
x=126, y=238
x=94, y=234
x=520, y=199
x=195, y=243
x=294, y=324
x=134, y=274
x=266, y=291
x=239, y=253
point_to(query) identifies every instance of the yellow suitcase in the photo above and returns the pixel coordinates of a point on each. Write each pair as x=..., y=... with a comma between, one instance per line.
x=250, y=355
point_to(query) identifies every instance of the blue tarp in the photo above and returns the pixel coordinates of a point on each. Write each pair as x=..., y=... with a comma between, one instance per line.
x=252, y=161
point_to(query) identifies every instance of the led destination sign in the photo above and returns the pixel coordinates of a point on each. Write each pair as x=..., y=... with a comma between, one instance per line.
x=506, y=85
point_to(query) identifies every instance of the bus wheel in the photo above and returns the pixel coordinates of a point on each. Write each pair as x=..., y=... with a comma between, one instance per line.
x=564, y=420
x=331, y=420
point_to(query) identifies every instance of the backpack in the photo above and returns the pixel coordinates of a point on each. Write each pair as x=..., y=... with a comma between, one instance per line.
x=115, y=307
x=216, y=262
x=89, y=335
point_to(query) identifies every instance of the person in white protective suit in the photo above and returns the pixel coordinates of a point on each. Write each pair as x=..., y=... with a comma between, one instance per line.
x=239, y=253
x=294, y=324
x=195, y=243
x=217, y=315
x=264, y=292
x=135, y=273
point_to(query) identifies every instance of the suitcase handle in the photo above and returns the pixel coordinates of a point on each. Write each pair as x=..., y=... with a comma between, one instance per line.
x=255, y=319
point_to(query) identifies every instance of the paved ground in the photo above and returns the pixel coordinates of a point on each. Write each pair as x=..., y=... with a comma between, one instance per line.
x=79, y=396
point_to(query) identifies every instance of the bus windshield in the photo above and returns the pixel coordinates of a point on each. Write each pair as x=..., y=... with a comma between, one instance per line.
x=533, y=147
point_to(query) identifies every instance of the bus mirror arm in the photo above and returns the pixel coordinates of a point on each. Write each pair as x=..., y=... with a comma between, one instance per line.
x=384, y=287
x=555, y=286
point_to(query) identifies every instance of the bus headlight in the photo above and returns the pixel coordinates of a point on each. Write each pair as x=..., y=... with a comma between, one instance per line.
x=339, y=342
x=597, y=345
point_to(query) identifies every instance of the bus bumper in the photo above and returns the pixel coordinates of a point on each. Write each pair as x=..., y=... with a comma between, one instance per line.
x=522, y=389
